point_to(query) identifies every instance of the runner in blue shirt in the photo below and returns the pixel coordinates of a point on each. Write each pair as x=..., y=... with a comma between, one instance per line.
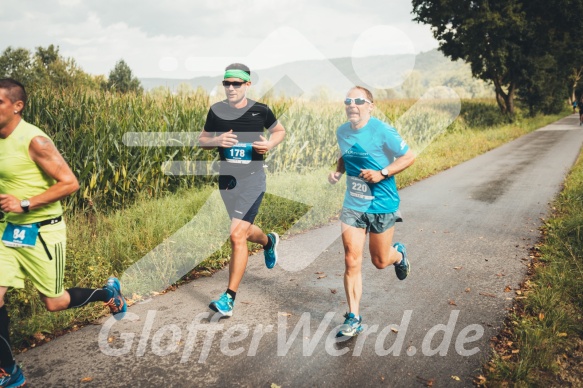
x=372, y=153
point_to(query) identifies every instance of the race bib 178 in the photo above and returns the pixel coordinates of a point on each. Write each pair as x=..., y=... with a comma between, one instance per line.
x=240, y=153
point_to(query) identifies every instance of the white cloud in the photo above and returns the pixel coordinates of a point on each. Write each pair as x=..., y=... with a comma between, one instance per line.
x=69, y=3
x=169, y=39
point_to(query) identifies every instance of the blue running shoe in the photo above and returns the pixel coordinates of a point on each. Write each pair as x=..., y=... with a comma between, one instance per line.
x=271, y=254
x=404, y=267
x=224, y=305
x=12, y=380
x=351, y=327
x=116, y=303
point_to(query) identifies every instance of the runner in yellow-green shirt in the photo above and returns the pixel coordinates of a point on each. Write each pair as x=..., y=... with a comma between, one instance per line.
x=34, y=177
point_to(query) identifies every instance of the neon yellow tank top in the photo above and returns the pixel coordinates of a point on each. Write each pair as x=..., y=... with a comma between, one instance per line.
x=20, y=175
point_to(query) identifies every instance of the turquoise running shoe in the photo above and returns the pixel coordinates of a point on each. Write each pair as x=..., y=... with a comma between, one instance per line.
x=271, y=254
x=224, y=305
x=116, y=303
x=14, y=379
x=404, y=267
x=351, y=327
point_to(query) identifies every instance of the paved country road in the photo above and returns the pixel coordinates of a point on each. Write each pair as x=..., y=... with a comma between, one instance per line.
x=468, y=231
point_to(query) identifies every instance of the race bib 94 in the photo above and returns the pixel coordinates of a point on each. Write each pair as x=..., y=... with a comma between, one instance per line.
x=20, y=236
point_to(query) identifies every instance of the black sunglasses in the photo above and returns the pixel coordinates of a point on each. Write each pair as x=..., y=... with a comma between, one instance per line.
x=357, y=101
x=236, y=84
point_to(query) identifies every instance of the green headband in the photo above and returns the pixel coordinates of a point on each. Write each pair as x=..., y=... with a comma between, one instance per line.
x=236, y=73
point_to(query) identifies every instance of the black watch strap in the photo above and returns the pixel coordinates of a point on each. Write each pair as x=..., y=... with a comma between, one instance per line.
x=25, y=205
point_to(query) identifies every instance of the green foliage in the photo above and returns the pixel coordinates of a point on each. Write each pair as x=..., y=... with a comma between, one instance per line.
x=518, y=45
x=47, y=68
x=122, y=80
x=480, y=114
x=543, y=91
x=43, y=68
x=488, y=35
x=15, y=63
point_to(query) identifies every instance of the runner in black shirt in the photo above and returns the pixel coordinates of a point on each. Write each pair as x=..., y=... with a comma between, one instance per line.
x=236, y=127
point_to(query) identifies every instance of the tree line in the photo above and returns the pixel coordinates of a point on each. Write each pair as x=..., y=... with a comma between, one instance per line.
x=529, y=50
x=46, y=66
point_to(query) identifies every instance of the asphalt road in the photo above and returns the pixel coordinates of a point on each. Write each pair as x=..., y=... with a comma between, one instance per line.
x=468, y=231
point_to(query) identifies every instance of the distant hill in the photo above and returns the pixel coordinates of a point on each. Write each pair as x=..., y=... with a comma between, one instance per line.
x=394, y=76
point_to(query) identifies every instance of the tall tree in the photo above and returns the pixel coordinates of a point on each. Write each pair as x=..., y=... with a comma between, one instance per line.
x=557, y=34
x=487, y=34
x=519, y=45
x=45, y=67
x=554, y=57
x=122, y=80
x=15, y=63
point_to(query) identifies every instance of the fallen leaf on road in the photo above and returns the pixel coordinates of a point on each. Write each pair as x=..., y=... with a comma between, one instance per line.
x=318, y=273
x=427, y=383
x=455, y=378
x=452, y=302
x=273, y=385
x=86, y=379
x=285, y=314
x=394, y=330
x=468, y=289
x=458, y=267
x=333, y=290
x=487, y=294
x=321, y=277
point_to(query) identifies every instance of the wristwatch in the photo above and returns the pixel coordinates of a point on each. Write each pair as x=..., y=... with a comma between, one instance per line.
x=25, y=204
x=385, y=173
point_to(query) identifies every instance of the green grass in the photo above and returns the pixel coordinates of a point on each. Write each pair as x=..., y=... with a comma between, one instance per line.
x=546, y=325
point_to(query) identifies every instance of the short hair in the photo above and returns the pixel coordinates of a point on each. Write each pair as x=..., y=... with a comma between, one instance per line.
x=15, y=90
x=366, y=91
x=238, y=66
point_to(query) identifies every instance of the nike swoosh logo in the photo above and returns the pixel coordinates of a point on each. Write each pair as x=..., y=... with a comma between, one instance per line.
x=254, y=114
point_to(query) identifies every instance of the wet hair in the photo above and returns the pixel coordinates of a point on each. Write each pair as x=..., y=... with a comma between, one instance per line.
x=14, y=90
x=366, y=91
x=238, y=66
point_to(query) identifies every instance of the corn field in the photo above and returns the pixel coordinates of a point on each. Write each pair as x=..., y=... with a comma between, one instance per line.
x=89, y=128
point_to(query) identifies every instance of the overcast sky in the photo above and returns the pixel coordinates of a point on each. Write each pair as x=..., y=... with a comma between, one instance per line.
x=188, y=38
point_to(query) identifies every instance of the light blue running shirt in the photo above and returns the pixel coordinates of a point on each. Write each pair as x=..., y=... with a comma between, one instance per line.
x=372, y=147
